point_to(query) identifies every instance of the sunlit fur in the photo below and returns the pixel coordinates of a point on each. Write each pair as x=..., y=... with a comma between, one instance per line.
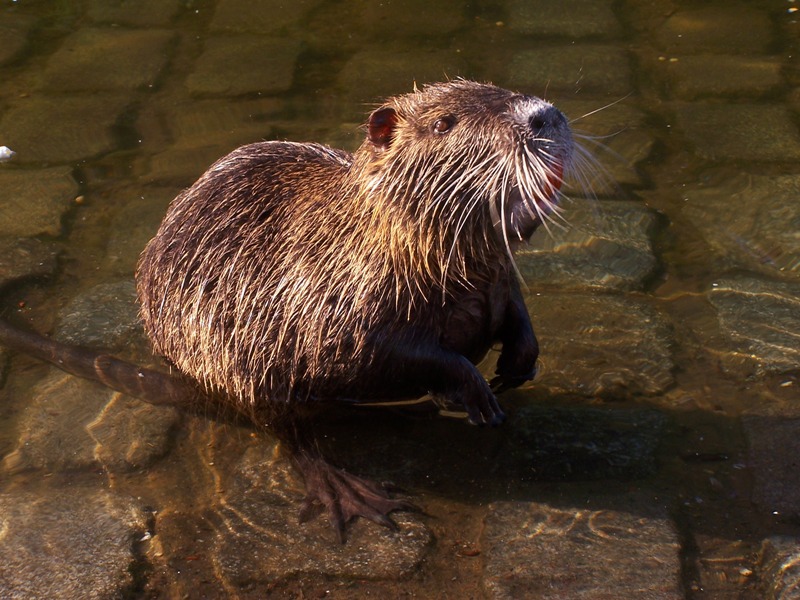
x=273, y=276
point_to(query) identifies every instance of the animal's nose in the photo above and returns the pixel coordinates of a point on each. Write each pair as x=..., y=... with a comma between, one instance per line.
x=547, y=117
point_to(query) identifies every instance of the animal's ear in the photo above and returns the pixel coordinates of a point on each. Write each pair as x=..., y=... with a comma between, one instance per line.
x=381, y=127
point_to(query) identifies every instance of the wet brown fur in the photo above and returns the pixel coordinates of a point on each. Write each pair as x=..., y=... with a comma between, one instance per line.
x=276, y=276
x=294, y=274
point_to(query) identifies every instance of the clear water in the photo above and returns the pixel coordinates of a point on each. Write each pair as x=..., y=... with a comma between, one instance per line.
x=693, y=110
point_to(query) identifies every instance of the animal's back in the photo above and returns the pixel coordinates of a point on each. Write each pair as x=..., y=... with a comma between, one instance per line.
x=217, y=282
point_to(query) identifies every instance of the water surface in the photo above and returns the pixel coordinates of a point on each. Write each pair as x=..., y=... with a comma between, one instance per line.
x=667, y=309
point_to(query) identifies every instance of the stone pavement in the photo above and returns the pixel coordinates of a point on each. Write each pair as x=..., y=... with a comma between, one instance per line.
x=655, y=456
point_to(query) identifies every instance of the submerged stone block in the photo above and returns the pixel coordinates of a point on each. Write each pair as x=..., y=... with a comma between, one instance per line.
x=71, y=424
x=690, y=77
x=67, y=541
x=138, y=13
x=35, y=201
x=107, y=59
x=14, y=32
x=549, y=443
x=571, y=18
x=539, y=551
x=774, y=460
x=266, y=16
x=376, y=73
x=412, y=18
x=250, y=534
x=134, y=225
x=105, y=316
x=604, y=244
x=750, y=132
x=603, y=345
x=586, y=69
x=613, y=138
x=750, y=221
x=760, y=320
x=732, y=29
x=21, y=258
x=264, y=65
x=62, y=129
x=779, y=568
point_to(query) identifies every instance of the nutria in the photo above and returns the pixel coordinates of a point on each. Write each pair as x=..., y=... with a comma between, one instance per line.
x=294, y=274
x=291, y=275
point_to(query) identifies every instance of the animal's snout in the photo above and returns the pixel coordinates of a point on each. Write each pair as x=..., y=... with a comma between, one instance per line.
x=546, y=118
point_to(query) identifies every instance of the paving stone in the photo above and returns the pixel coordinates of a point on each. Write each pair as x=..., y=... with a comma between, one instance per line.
x=244, y=64
x=196, y=133
x=216, y=121
x=547, y=443
x=602, y=345
x=379, y=72
x=182, y=165
x=137, y=13
x=107, y=59
x=66, y=541
x=750, y=221
x=104, y=316
x=539, y=443
x=130, y=434
x=251, y=535
x=760, y=320
x=774, y=461
x=134, y=225
x=57, y=130
x=572, y=18
x=691, y=77
x=588, y=69
x=793, y=98
x=14, y=32
x=267, y=16
x=723, y=565
x=412, y=18
x=536, y=550
x=747, y=132
x=21, y=258
x=729, y=29
x=71, y=424
x=34, y=202
x=779, y=568
x=603, y=244
x=371, y=552
x=4, y=356
x=646, y=17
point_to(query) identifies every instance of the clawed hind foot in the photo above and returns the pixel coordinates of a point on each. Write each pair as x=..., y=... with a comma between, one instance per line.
x=344, y=496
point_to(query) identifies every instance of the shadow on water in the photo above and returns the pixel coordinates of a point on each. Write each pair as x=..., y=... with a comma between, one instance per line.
x=556, y=450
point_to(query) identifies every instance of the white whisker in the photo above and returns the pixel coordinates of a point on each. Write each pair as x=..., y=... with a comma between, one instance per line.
x=602, y=108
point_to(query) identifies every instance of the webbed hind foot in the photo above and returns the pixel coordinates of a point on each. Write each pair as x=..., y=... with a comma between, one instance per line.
x=344, y=496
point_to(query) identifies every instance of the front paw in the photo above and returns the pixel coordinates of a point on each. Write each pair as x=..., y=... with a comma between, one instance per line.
x=515, y=366
x=481, y=405
x=501, y=383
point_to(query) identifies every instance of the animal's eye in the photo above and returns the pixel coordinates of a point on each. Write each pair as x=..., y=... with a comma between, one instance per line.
x=443, y=124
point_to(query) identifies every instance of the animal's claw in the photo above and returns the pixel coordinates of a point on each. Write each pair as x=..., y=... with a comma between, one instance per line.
x=344, y=496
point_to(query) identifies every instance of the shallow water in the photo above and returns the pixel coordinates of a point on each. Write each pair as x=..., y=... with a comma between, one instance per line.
x=668, y=308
